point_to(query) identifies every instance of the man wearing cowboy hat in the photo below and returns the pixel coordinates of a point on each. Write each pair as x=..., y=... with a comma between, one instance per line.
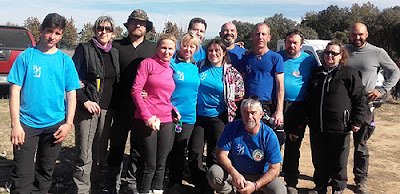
x=132, y=50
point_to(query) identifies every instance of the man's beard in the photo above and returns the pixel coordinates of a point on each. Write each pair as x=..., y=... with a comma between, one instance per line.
x=228, y=42
x=137, y=33
x=250, y=124
x=354, y=43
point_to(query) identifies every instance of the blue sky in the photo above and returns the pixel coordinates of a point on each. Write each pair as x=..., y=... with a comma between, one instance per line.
x=215, y=12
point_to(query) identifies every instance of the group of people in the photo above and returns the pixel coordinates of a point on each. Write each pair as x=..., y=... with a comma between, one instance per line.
x=175, y=96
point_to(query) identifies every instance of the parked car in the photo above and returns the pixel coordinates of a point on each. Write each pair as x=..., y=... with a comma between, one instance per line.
x=13, y=40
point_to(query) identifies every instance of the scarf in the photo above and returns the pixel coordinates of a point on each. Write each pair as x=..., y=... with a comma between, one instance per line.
x=105, y=49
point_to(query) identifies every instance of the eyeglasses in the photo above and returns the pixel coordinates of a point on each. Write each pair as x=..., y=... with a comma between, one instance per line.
x=138, y=22
x=102, y=28
x=331, y=52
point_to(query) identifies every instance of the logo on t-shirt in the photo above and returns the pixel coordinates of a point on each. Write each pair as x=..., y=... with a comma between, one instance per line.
x=240, y=149
x=203, y=76
x=248, y=68
x=258, y=155
x=296, y=73
x=37, y=71
x=181, y=76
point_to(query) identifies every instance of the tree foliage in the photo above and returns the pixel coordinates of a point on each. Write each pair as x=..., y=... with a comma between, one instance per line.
x=118, y=33
x=172, y=28
x=86, y=33
x=70, y=34
x=33, y=25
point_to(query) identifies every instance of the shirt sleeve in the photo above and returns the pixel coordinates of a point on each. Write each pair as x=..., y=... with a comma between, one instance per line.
x=71, y=76
x=279, y=67
x=225, y=142
x=390, y=68
x=18, y=70
x=272, y=150
x=137, y=87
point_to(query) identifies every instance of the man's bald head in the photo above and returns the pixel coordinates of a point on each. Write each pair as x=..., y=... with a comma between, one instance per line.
x=358, y=35
x=228, y=34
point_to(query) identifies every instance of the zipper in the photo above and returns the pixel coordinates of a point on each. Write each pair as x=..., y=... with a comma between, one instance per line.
x=322, y=101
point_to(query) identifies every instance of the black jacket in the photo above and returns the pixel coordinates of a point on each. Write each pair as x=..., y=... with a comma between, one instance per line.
x=336, y=99
x=90, y=67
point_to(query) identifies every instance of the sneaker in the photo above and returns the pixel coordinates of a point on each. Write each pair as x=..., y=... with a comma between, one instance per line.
x=318, y=190
x=337, y=192
x=291, y=190
x=362, y=188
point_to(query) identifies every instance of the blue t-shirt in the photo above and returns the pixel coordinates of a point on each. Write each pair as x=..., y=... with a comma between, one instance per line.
x=250, y=154
x=297, y=73
x=235, y=55
x=210, y=101
x=184, y=97
x=198, y=55
x=260, y=74
x=44, y=79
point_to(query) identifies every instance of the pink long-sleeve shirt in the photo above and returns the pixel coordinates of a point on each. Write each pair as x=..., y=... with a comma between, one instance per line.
x=155, y=77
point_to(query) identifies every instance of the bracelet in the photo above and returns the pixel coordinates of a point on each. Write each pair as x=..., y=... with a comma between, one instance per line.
x=70, y=124
x=255, y=186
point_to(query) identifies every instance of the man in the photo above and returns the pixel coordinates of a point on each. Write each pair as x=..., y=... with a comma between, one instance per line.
x=263, y=71
x=248, y=155
x=298, y=66
x=132, y=50
x=40, y=78
x=229, y=35
x=198, y=27
x=369, y=59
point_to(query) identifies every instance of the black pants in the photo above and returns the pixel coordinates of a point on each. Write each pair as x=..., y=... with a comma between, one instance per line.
x=295, y=123
x=28, y=177
x=330, y=152
x=177, y=156
x=122, y=124
x=269, y=108
x=206, y=129
x=154, y=147
x=361, y=154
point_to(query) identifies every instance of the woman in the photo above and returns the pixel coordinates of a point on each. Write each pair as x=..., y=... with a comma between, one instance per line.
x=184, y=98
x=97, y=64
x=154, y=75
x=337, y=101
x=221, y=86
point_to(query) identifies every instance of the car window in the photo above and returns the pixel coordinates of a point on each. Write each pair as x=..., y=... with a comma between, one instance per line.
x=16, y=39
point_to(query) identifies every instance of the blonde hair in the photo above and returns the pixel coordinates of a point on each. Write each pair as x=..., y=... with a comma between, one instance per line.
x=190, y=38
x=166, y=37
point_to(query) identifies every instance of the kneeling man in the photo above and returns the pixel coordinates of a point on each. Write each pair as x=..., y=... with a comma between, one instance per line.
x=248, y=156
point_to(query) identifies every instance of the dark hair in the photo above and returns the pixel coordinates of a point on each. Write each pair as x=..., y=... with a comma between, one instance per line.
x=54, y=20
x=295, y=32
x=221, y=44
x=197, y=20
x=343, y=50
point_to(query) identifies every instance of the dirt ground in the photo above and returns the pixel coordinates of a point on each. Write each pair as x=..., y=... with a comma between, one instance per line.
x=384, y=172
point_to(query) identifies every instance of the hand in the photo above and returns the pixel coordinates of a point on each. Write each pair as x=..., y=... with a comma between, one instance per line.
x=240, y=44
x=238, y=181
x=248, y=188
x=150, y=123
x=82, y=84
x=178, y=116
x=354, y=128
x=92, y=107
x=62, y=133
x=373, y=95
x=278, y=115
x=293, y=137
x=17, y=135
x=144, y=94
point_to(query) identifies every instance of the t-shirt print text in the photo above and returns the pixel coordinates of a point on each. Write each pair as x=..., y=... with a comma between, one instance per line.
x=37, y=71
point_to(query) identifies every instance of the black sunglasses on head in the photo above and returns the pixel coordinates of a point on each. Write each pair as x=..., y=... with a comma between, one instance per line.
x=102, y=28
x=331, y=52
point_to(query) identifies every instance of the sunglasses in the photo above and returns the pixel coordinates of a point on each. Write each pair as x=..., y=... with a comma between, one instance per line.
x=331, y=52
x=102, y=28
